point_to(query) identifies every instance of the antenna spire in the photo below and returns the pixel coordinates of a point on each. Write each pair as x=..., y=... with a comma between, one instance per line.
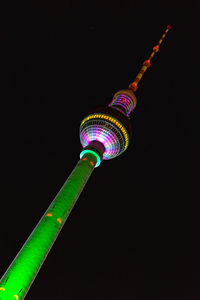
x=147, y=63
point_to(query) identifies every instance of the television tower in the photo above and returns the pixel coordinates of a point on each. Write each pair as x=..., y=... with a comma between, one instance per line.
x=104, y=134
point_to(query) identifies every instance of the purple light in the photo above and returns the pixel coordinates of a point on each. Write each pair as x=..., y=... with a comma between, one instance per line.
x=123, y=103
x=105, y=132
x=103, y=135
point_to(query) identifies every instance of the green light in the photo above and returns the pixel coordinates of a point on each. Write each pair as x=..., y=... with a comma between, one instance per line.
x=20, y=275
x=86, y=151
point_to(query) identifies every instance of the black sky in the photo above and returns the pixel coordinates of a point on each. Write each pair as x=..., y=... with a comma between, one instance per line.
x=134, y=232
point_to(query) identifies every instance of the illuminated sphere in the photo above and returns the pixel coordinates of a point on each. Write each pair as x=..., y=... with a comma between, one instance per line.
x=108, y=126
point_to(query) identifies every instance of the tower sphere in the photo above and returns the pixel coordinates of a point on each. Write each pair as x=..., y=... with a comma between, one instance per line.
x=110, y=127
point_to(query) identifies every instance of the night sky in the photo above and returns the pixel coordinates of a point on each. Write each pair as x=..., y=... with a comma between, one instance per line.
x=134, y=232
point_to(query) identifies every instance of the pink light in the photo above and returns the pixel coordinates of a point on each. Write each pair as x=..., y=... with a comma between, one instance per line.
x=111, y=140
x=123, y=101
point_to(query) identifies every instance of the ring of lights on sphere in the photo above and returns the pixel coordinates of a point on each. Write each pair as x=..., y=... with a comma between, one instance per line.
x=107, y=130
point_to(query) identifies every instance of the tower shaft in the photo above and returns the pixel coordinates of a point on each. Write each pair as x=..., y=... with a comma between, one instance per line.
x=18, y=278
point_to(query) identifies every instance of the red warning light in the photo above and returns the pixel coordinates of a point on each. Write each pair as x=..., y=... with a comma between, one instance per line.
x=147, y=63
x=133, y=86
x=156, y=48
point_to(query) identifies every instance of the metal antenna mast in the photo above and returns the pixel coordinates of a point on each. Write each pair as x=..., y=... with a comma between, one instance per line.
x=147, y=63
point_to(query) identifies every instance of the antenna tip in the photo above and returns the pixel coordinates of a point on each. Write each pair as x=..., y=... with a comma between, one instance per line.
x=169, y=26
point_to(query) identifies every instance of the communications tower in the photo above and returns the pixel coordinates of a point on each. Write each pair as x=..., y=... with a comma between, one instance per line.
x=104, y=134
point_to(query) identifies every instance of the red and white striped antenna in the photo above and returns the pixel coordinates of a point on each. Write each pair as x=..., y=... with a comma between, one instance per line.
x=147, y=63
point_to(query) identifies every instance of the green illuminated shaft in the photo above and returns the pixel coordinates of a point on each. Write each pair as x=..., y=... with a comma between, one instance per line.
x=18, y=278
